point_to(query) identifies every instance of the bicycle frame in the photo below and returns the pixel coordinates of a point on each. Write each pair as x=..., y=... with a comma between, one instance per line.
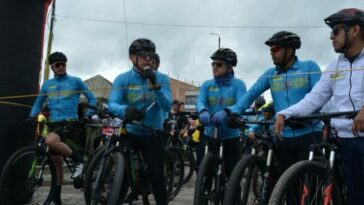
x=267, y=146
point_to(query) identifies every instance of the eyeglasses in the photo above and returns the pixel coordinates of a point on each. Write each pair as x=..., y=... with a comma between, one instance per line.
x=337, y=29
x=217, y=64
x=145, y=54
x=275, y=48
x=57, y=65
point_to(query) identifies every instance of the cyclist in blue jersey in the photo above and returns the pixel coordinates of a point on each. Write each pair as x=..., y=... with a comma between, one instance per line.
x=216, y=101
x=62, y=95
x=143, y=94
x=343, y=83
x=289, y=81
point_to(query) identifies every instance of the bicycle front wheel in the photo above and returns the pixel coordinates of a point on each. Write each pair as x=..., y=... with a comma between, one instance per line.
x=189, y=163
x=206, y=188
x=29, y=176
x=306, y=182
x=103, y=179
x=246, y=181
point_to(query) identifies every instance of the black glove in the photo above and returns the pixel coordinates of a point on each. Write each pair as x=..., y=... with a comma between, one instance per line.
x=30, y=120
x=150, y=74
x=131, y=114
x=233, y=121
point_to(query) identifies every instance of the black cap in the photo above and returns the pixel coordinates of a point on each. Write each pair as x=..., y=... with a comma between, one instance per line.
x=177, y=102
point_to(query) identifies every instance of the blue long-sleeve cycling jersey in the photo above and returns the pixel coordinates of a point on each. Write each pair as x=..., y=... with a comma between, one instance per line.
x=286, y=88
x=213, y=98
x=63, y=94
x=132, y=89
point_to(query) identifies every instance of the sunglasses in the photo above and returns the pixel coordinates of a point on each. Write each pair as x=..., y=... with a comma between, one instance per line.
x=275, y=48
x=57, y=65
x=217, y=64
x=337, y=29
x=145, y=54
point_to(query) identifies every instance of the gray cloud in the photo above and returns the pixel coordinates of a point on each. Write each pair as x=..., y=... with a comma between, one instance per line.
x=101, y=47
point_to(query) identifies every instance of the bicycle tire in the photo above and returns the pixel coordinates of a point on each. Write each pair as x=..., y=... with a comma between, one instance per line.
x=206, y=181
x=289, y=179
x=20, y=180
x=175, y=163
x=190, y=163
x=116, y=161
x=243, y=179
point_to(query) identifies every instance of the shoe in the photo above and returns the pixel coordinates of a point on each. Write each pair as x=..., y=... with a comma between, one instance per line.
x=78, y=171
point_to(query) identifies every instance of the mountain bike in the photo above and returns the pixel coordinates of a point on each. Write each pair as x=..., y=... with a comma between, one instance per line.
x=211, y=176
x=118, y=172
x=253, y=177
x=34, y=168
x=318, y=180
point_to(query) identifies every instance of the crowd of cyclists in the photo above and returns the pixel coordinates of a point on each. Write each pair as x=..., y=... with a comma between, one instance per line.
x=297, y=87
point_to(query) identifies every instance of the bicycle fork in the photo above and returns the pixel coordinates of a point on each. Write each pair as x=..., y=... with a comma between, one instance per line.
x=267, y=178
x=220, y=184
x=42, y=165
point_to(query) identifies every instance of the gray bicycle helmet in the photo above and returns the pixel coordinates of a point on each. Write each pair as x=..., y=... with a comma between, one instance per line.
x=225, y=54
x=141, y=44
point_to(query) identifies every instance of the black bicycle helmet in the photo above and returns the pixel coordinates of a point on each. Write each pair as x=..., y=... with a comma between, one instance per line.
x=259, y=102
x=225, y=54
x=349, y=16
x=141, y=44
x=57, y=57
x=286, y=39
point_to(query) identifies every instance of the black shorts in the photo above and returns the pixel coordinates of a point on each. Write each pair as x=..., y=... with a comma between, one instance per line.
x=69, y=130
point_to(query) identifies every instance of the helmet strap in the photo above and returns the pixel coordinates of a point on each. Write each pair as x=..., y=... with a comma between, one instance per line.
x=281, y=67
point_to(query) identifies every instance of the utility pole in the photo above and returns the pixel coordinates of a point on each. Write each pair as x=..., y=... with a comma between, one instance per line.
x=218, y=35
x=50, y=40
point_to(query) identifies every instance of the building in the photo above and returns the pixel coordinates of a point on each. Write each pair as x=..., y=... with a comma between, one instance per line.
x=100, y=87
x=184, y=92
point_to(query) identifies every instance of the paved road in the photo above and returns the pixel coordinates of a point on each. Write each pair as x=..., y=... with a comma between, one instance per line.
x=72, y=196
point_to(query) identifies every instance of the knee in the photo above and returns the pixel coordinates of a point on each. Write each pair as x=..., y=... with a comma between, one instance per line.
x=52, y=139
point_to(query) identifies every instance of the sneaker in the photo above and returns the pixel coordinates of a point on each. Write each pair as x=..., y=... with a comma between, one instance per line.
x=78, y=171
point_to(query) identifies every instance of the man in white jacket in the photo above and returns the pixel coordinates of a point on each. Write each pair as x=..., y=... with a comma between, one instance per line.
x=344, y=81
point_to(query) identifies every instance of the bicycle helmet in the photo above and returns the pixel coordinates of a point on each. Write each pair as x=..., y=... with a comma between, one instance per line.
x=226, y=55
x=141, y=44
x=349, y=16
x=259, y=102
x=57, y=57
x=286, y=39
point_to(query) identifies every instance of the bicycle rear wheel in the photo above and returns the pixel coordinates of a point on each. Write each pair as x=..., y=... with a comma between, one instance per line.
x=29, y=176
x=103, y=179
x=206, y=189
x=306, y=182
x=246, y=181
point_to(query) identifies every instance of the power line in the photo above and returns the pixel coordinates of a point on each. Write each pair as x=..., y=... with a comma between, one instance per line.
x=183, y=25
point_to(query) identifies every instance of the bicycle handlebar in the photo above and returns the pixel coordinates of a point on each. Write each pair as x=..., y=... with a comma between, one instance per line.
x=127, y=122
x=325, y=116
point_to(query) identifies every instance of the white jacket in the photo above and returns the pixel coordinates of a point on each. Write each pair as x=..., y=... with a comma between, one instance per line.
x=335, y=82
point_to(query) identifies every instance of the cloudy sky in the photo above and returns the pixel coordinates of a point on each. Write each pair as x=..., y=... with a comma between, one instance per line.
x=94, y=35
